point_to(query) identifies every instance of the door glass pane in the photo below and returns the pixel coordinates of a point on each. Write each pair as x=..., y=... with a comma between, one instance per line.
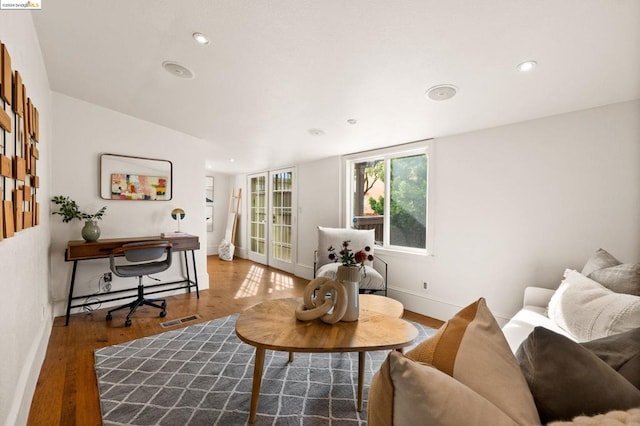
x=258, y=214
x=408, y=201
x=368, y=197
x=281, y=209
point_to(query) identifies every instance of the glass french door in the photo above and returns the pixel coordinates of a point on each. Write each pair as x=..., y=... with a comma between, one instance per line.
x=272, y=232
x=258, y=218
x=281, y=247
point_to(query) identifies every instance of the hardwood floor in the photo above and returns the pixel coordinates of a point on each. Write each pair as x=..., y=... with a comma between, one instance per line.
x=67, y=392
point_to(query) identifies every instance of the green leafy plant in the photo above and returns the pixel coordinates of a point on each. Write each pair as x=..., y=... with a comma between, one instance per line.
x=70, y=210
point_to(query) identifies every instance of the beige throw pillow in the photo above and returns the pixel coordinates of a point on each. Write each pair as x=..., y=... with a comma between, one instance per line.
x=472, y=349
x=590, y=311
x=407, y=393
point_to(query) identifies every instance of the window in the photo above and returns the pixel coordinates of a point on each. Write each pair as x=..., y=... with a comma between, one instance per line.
x=387, y=191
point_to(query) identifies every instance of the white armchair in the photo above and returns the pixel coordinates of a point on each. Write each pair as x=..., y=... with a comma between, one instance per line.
x=372, y=280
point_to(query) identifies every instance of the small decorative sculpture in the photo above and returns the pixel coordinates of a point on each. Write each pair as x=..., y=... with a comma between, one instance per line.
x=177, y=214
x=330, y=295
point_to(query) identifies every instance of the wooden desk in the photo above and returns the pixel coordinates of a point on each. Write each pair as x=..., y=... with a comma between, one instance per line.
x=82, y=250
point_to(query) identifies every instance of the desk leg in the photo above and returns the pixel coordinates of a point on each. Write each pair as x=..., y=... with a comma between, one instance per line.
x=195, y=272
x=361, y=362
x=186, y=265
x=257, y=381
x=73, y=282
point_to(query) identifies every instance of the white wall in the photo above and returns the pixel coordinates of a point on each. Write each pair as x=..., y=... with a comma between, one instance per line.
x=518, y=204
x=318, y=205
x=82, y=131
x=24, y=259
x=514, y=206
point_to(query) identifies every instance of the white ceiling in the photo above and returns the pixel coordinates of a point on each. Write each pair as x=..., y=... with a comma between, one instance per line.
x=276, y=68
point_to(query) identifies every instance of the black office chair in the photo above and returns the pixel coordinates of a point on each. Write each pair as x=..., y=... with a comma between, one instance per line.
x=141, y=252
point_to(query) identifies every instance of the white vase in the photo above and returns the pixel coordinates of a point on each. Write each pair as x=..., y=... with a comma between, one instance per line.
x=349, y=277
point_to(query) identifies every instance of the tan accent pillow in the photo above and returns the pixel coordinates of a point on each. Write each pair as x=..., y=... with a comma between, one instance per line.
x=472, y=349
x=404, y=392
x=620, y=277
x=590, y=311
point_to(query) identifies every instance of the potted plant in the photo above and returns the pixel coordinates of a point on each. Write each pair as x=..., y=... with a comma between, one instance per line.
x=69, y=210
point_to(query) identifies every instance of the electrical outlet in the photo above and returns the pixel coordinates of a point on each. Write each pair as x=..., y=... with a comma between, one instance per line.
x=107, y=277
x=425, y=286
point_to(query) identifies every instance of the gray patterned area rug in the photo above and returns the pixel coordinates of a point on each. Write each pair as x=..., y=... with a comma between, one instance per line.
x=202, y=375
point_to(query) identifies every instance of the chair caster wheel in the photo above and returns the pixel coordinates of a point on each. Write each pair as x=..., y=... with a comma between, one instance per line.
x=163, y=314
x=109, y=317
x=127, y=323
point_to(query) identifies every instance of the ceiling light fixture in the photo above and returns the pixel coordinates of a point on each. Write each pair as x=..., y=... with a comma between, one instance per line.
x=527, y=66
x=232, y=160
x=352, y=121
x=177, y=70
x=441, y=92
x=201, y=38
x=316, y=132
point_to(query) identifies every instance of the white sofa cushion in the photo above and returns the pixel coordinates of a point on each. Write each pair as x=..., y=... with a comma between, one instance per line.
x=522, y=324
x=590, y=311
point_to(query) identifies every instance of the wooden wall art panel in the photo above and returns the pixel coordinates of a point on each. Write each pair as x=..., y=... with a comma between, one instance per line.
x=7, y=212
x=5, y=166
x=6, y=92
x=18, y=101
x=19, y=182
x=5, y=121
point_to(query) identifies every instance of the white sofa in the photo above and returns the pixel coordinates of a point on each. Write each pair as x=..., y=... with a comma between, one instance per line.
x=532, y=314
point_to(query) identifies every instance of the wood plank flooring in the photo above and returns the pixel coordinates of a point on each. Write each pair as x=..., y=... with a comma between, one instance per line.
x=67, y=392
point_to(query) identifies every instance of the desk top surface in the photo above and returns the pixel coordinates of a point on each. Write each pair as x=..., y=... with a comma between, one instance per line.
x=80, y=249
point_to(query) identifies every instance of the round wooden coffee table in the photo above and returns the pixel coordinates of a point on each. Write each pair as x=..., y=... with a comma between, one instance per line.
x=272, y=325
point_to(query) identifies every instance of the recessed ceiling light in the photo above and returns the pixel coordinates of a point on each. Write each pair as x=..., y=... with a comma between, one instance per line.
x=352, y=121
x=527, y=66
x=177, y=70
x=316, y=132
x=442, y=92
x=201, y=38
x=232, y=160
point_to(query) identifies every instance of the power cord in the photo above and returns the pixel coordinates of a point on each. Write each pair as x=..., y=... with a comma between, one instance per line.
x=103, y=287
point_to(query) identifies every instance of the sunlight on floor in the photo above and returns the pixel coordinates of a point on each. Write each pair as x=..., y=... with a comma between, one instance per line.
x=280, y=282
x=255, y=278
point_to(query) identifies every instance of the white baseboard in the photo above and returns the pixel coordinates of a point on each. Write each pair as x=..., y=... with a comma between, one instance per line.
x=430, y=306
x=26, y=386
x=303, y=271
x=241, y=253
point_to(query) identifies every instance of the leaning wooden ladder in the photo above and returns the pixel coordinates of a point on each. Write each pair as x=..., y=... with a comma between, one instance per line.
x=226, y=253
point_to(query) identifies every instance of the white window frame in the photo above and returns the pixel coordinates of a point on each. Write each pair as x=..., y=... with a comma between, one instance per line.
x=425, y=147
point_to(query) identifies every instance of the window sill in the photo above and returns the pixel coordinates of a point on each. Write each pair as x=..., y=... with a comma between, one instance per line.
x=397, y=252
